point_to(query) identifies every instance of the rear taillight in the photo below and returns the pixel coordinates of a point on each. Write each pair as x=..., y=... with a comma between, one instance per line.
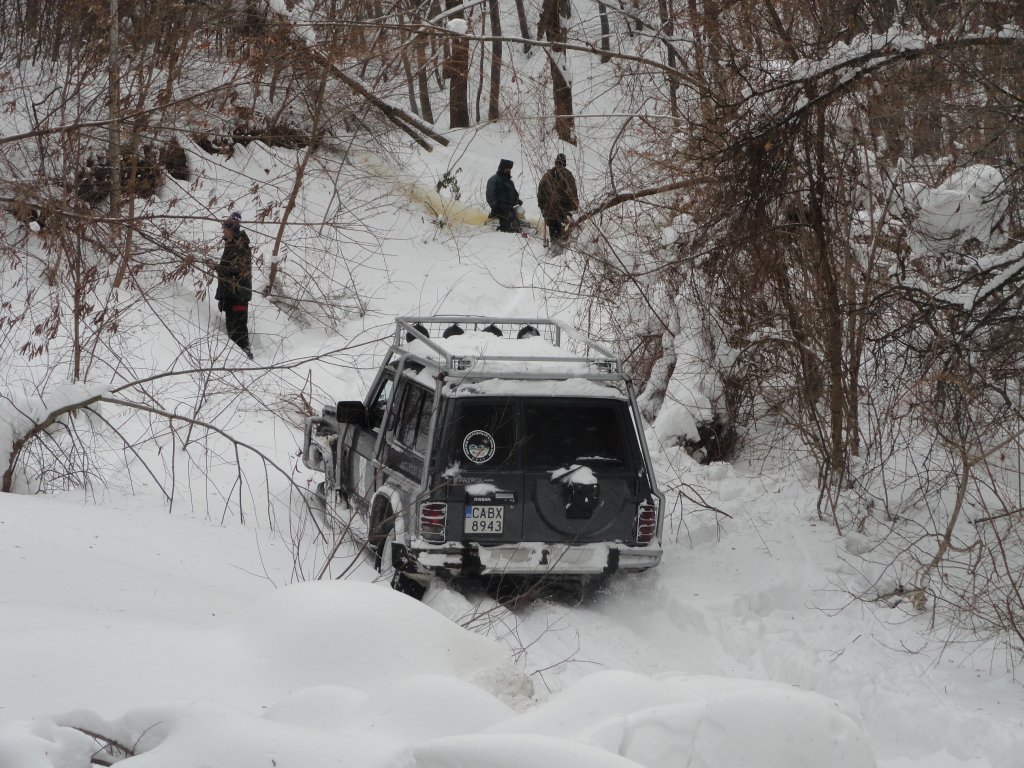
x=432, y=515
x=646, y=522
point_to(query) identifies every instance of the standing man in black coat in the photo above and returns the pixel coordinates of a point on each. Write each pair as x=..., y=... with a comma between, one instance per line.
x=557, y=197
x=234, y=282
x=503, y=197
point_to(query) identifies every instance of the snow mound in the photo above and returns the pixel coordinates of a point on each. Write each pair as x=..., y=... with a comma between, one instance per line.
x=322, y=706
x=699, y=721
x=608, y=720
x=352, y=657
x=356, y=634
x=966, y=207
x=510, y=752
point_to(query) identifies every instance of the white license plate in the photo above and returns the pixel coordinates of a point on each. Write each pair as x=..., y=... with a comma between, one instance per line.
x=485, y=518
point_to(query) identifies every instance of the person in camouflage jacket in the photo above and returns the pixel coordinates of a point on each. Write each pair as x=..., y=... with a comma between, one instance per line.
x=557, y=197
x=234, y=282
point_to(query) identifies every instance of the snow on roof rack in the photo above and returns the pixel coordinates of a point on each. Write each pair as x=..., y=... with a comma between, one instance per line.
x=482, y=347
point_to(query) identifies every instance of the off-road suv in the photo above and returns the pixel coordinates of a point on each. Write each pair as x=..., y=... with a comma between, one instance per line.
x=490, y=446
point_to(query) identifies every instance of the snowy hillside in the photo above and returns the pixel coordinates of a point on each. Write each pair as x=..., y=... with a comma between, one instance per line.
x=178, y=636
x=171, y=600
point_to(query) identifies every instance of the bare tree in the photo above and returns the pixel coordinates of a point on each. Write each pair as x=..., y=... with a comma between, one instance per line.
x=553, y=26
x=494, y=90
x=832, y=297
x=524, y=26
x=602, y=12
x=457, y=71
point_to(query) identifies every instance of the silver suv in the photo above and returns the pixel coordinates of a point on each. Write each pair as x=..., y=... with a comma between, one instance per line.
x=493, y=447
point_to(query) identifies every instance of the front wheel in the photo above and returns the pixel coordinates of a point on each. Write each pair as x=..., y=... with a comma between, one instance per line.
x=392, y=571
x=383, y=557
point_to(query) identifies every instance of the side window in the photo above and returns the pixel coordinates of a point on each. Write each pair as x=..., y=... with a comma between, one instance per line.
x=379, y=406
x=423, y=430
x=414, y=422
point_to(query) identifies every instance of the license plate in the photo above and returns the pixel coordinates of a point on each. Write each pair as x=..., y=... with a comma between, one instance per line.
x=485, y=518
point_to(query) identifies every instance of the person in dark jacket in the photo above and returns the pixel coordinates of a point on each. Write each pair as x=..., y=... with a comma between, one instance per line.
x=234, y=282
x=503, y=197
x=557, y=197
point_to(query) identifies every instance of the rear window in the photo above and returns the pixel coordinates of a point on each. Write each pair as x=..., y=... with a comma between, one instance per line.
x=559, y=434
x=553, y=434
x=484, y=433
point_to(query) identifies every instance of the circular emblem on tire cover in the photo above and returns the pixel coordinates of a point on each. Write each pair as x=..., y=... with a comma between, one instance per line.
x=478, y=446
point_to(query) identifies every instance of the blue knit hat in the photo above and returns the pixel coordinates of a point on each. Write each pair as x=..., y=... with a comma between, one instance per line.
x=233, y=222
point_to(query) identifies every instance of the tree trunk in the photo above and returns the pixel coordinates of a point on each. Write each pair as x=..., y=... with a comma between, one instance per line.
x=665, y=16
x=458, y=75
x=480, y=81
x=554, y=14
x=602, y=12
x=423, y=79
x=524, y=27
x=496, y=53
x=697, y=34
x=121, y=242
x=628, y=15
x=419, y=44
x=831, y=305
x=410, y=80
x=276, y=256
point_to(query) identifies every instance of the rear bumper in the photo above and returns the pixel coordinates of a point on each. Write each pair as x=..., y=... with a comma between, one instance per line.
x=535, y=558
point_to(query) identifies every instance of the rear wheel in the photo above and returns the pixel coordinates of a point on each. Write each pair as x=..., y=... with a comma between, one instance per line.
x=322, y=505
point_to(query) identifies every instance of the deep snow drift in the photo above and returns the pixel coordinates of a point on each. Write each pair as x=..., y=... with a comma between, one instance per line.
x=326, y=673
x=177, y=636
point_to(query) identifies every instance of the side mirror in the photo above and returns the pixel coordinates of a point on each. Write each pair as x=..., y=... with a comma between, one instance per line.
x=352, y=412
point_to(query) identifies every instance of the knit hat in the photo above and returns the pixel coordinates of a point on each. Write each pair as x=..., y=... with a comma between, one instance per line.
x=233, y=223
x=560, y=159
x=505, y=165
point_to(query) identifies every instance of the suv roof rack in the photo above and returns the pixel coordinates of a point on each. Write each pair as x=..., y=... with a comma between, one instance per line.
x=523, y=348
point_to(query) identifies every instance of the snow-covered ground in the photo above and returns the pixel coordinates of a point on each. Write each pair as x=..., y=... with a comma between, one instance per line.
x=182, y=639
x=189, y=638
